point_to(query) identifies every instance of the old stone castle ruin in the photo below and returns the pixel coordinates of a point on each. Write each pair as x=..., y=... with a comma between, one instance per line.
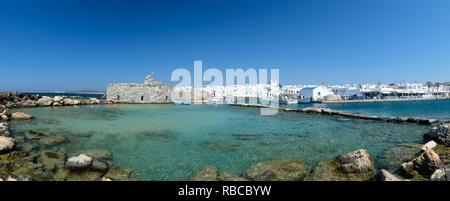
x=151, y=91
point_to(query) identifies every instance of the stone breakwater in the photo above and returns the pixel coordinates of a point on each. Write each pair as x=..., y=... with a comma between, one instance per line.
x=327, y=111
x=19, y=100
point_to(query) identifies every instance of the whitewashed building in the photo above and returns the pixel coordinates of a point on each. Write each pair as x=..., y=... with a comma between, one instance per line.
x=310, y=94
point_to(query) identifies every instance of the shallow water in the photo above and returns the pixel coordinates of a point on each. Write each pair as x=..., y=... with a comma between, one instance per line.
x=170, y=142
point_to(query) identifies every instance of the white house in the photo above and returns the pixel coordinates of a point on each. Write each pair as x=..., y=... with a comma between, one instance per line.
x=314, y=93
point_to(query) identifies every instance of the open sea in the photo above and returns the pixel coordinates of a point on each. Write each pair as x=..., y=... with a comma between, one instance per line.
x=171, y=142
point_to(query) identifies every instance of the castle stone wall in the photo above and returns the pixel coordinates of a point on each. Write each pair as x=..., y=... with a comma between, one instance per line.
x=150, y=92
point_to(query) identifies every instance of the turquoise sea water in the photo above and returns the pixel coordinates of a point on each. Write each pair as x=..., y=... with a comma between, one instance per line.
x=170, y=142
x=438, y=109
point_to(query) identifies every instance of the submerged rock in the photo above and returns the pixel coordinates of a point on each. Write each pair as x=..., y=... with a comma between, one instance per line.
x=6, y=144
x=52, y=160
x=79, y=162
x=423, y=166
x=353, y=166
x=34, y=135
x=440, y=134
x=52, y=140
x=98, y=154
x=45, y=139
x=247, y=136
x=21, y=116
x=66, y=174
x=210, y=173
x=119, y=174
x=276, y=170
x=393, y=158
x=225, y=176
x=98, y=165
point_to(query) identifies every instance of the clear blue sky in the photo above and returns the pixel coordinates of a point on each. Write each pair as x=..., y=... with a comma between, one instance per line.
x=77, y=45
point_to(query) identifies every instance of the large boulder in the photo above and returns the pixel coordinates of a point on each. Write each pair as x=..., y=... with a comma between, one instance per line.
x=353, y=166
x=99, y=165
x=21, y=116
x=276, y=170
x=429, y=145
x=93, y=101
x=79, y=162
x=76, y=102
x=67, y=101
x=423, y=166
x=45, y=101
x=4, y=129
x=355, y=162
x=4, y=111
x=441, y=174
x=6, y=144
x=27, y=103
x=440, y=134
x=58, y=99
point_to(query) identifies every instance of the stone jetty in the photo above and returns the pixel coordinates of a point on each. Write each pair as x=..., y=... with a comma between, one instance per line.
x=328, y=111
x=20, y=100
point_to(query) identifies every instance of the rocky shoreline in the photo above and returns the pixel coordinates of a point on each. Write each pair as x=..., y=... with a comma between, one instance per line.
x=35, y=156
x=428, y=162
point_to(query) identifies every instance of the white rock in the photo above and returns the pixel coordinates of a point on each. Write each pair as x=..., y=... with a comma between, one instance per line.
x=441, y=174
x=429, y=145
x=58, y=99
x=79, y=162
x=6, y=144
x=93, y=101
x=68, y=101
x=11, y=179
x=45, y=101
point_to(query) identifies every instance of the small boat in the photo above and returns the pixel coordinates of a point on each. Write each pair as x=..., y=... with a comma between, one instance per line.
x=182, y=103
